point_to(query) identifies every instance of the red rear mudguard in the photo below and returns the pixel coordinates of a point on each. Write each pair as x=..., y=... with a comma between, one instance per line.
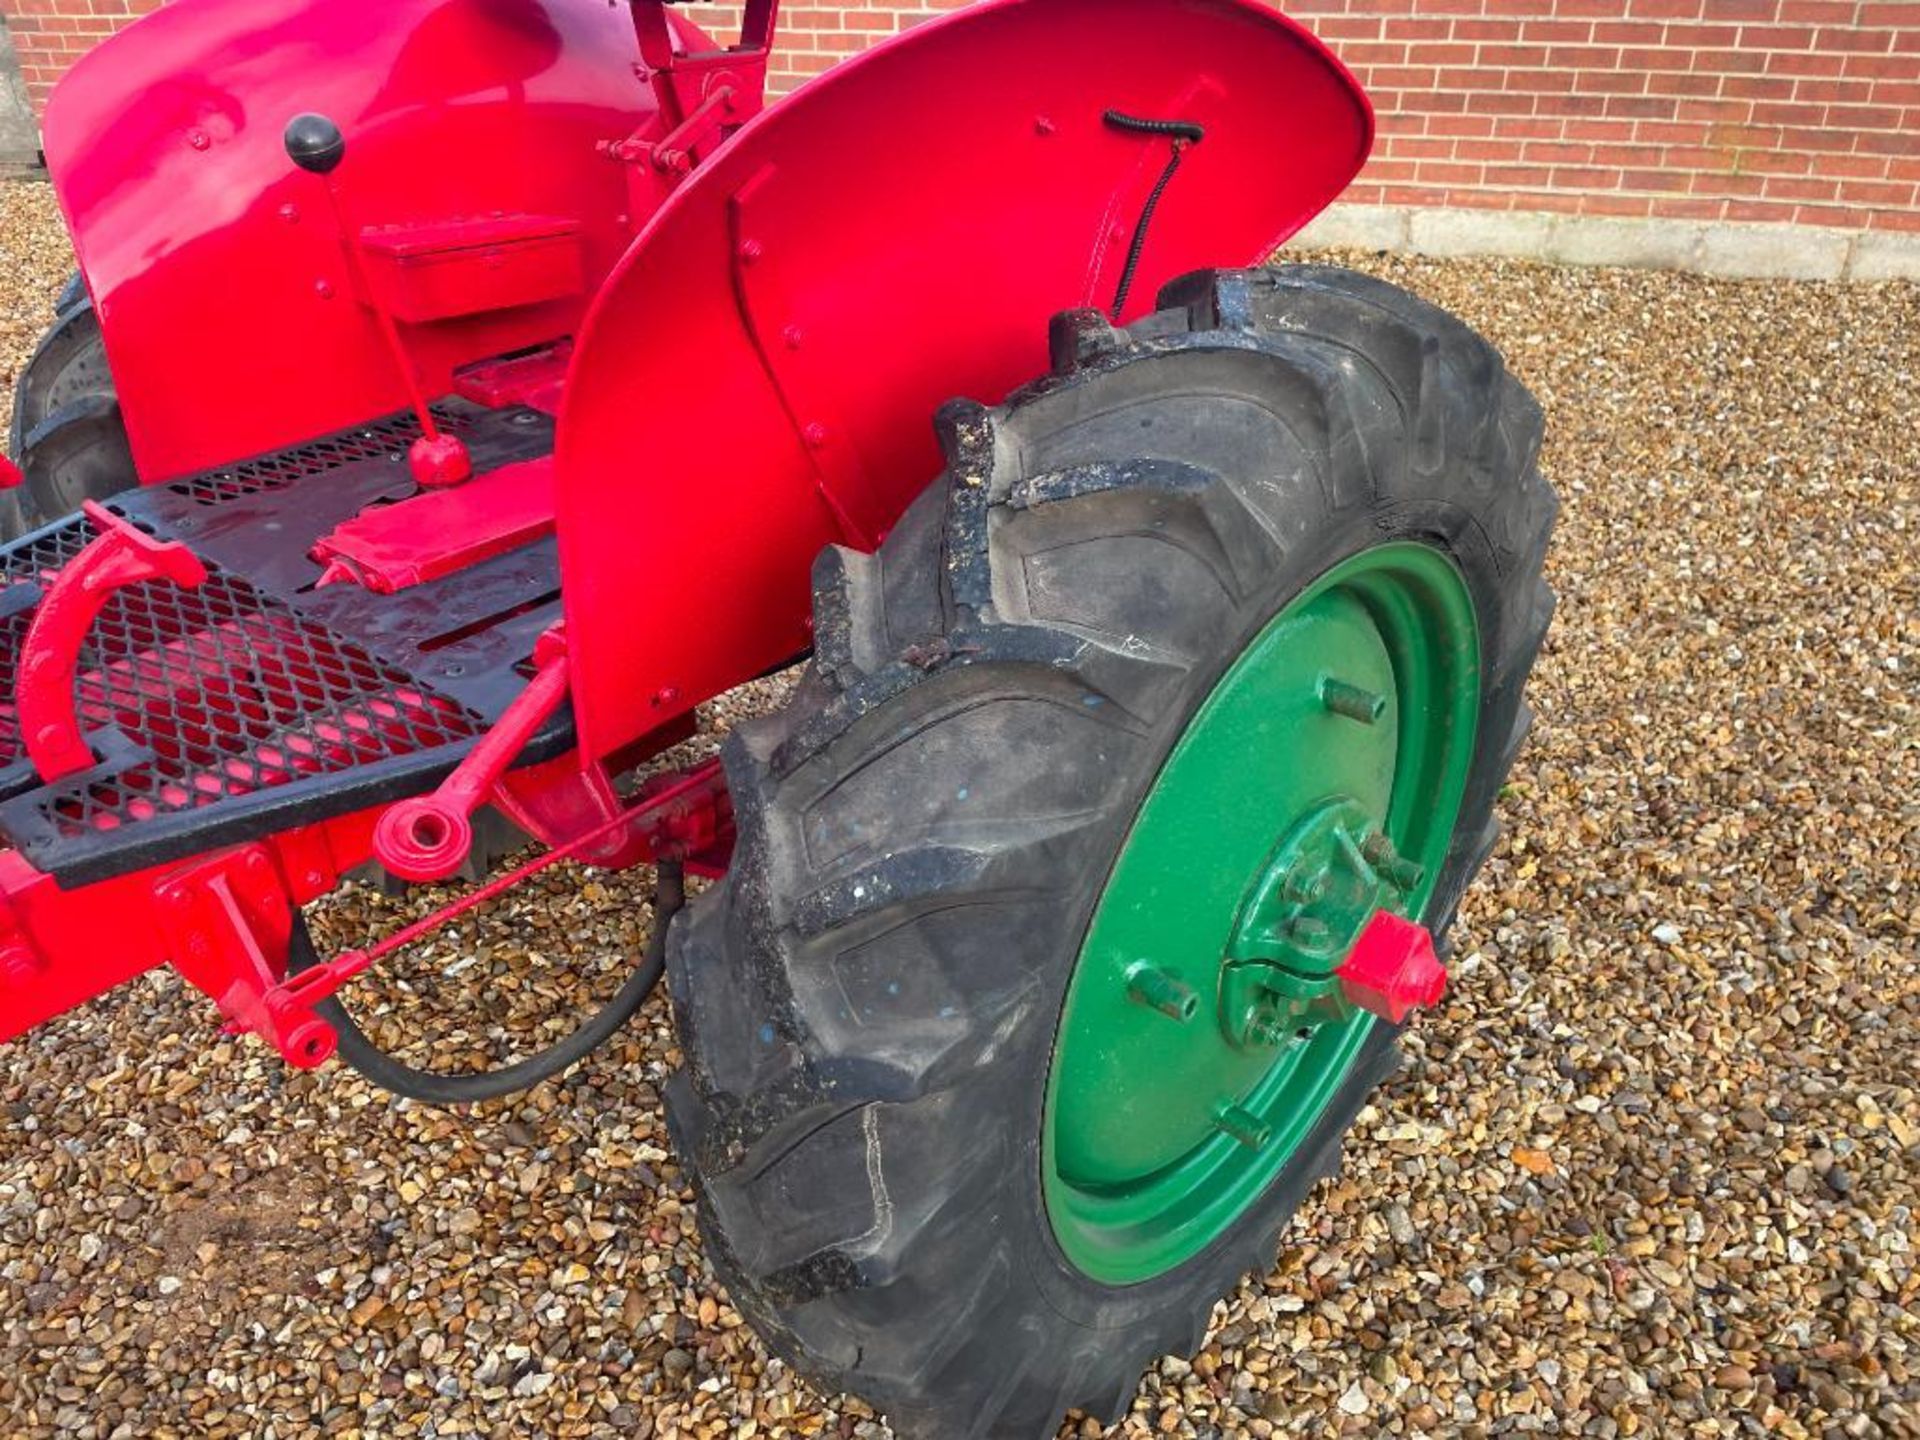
x=757, y=378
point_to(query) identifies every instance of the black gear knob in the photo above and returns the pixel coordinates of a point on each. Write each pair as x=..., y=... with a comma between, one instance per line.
x=314, y=143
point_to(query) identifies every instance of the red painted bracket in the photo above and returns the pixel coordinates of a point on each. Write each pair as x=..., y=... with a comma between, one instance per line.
x=702, y=96
x=11, y=477
x=688, y=817
x=428, y=838
x=229, y=925
x=121, y=555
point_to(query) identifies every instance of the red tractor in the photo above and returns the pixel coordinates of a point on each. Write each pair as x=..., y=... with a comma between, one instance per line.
x=457, y=393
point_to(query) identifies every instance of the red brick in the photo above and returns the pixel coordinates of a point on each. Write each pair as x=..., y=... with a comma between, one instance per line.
x=1669, y=207
x=1557, y=32
x=1629, y=32
x=1518, y=177
x=1776, y=37
x=1826, y=215
x=1802, y=187
x=1759, y=87
x=1834, y=92
x=1892, y=14
x=1602, y=131
x=1853, y=39
x=1634, y=207
x=1750, y=210
x=1822, y=12
x=1814, y=63
x=1494, y=30
x=1883, y=67
x=1882, y=194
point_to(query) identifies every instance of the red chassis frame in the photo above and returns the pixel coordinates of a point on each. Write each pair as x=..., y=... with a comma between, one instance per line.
x=752, y=380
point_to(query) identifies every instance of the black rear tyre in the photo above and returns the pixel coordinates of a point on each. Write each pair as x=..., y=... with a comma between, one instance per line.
x=68, y=436
x=869, y=1003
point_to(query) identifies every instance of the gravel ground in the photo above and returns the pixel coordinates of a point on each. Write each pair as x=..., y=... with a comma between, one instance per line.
x=1650, y=1172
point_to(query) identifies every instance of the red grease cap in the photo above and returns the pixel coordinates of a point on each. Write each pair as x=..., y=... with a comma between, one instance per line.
x=1393, y=971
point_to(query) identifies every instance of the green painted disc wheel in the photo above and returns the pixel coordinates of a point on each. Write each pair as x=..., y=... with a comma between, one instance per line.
x=1203, y=1033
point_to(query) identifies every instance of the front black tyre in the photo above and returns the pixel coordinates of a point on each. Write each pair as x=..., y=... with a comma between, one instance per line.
x=875, y=1002
x=68, y=435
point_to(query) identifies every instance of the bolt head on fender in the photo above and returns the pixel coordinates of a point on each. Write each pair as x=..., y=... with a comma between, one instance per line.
x=1393, y=969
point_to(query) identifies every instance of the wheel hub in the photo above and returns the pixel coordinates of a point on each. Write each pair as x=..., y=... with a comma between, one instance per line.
x=1302, y=917
x=1262, y=912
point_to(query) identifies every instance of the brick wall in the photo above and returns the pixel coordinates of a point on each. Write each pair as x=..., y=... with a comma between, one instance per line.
x=1802, y=111
x=50, y=35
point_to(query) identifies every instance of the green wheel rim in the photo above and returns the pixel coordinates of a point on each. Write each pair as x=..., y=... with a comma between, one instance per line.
x=1203, y=1035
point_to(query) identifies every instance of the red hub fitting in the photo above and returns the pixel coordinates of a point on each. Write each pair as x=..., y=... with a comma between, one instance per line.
x=1393, y=969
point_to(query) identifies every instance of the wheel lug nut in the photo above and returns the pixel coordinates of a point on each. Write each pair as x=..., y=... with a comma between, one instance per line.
x=1243, y=1126
x=1305, y=930
x=1305, y=886
x=1153, y=987
x=1352, y=702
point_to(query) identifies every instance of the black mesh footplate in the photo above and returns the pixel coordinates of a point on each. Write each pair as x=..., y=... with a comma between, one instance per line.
x=226, y=712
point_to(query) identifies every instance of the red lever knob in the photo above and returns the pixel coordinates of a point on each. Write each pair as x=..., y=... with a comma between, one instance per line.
x=1393, y=969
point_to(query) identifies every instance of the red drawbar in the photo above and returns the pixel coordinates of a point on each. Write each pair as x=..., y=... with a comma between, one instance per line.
x=428, y=837
x=1393, y=969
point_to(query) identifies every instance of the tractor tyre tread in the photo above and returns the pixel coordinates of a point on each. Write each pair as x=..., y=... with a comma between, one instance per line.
x=68, y=435
x=867, y=1003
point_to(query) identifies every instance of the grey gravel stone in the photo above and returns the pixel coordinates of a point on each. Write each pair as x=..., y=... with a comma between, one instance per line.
x=1728, y=744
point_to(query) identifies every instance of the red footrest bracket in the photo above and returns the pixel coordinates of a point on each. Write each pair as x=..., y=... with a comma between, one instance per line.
x=121, y=555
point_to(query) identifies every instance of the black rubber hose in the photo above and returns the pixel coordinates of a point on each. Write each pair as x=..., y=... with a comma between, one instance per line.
x=1174, y=129
x=368, y=1059
x=1183, y=133
x=1139, y=246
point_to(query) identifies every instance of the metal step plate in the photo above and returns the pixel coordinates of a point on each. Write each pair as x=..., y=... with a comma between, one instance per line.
x=260, y=700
